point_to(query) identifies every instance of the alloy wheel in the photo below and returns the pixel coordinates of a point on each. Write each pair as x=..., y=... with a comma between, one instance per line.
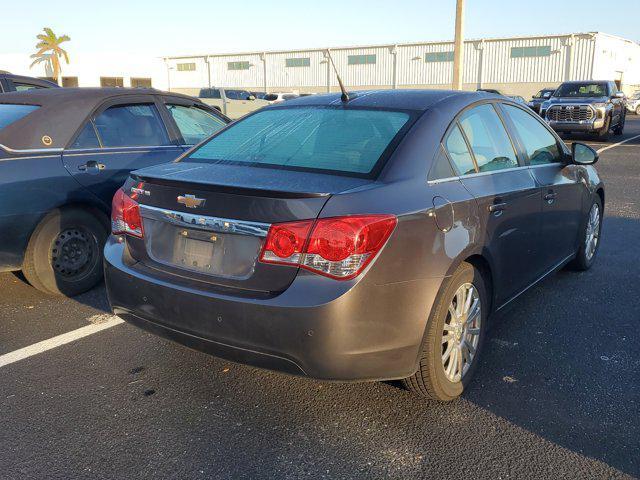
x=592, y=236
x=461, y=332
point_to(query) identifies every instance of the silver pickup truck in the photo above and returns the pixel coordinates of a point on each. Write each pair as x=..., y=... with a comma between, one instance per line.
x=596, y=107
x=233, y=103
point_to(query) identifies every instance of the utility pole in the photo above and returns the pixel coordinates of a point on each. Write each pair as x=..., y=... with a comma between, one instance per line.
x=458, y=47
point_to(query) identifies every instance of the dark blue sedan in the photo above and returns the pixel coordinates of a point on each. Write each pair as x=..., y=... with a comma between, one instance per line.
x=63, y=154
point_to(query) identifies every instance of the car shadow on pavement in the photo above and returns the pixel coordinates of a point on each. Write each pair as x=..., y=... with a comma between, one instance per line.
x=563, y=361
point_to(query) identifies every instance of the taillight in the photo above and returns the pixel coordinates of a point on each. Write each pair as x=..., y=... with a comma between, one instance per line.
x=338, y=247
x=125, y=215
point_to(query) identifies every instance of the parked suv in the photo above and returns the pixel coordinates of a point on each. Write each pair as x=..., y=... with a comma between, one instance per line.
x=233, y=103
x=633, y=104
x=17, y=83
x=586, y=106
x=539, y=98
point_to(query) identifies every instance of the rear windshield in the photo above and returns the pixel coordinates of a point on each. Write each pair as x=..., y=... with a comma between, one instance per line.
x=347, y=141
x=12, y=113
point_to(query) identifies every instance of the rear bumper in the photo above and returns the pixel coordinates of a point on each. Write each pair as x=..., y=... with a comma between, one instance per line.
x=318, y=327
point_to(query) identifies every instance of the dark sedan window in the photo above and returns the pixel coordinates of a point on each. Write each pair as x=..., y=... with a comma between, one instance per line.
x=209, y=93
x=131, y=126
x=488, y=139
x=540, y=145
x=441, y=167
x=87, y=138
x=459, y=152
x=12, y=113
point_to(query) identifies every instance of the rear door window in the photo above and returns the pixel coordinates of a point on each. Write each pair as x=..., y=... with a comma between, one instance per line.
x=23, y=87
x=194, y=123
x=489, y=141
x=12, y=113
x=131, y=126
x=87, y=137
x=459, y=152
x=539, y=144
x=340, y=140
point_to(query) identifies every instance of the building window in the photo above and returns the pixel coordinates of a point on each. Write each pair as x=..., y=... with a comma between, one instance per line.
x=70, y=82
x=140, y=82
x=238, y=65
x=186, y=67
x=111, y=82
x=438, y=57
x=523, y=52
x=361, y=59
x=298, y=62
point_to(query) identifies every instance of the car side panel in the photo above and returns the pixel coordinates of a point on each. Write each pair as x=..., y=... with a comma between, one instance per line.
x=30, y=187
x=114, y=166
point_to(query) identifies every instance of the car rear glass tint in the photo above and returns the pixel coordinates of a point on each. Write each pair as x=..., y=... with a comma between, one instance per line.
x=10, y=113
x=350, y=141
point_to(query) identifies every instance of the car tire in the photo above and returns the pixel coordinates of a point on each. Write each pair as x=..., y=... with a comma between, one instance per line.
x=603, y=133
x=432, y=380
x=638, y=110
x=585, y=257
x=64, y=254
x=619, y=130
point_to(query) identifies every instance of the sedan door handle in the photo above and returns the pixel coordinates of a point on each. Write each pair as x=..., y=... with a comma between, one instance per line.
x=91, y=165
x=497, y=207
x=550, y=197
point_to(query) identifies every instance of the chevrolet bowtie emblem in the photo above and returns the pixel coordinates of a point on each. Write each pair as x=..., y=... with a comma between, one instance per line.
x=191, y=201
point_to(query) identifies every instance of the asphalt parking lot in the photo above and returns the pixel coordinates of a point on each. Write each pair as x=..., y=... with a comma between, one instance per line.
x=557, y=393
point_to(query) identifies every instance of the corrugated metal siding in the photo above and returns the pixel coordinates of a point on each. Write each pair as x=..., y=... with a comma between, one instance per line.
x=413, y=69
x=487, y=61
x=500, y=67
x=221, y=76
x=583, y=51
x=381, y=73
x=193, y=79
x=612, y=56
x=315, y=75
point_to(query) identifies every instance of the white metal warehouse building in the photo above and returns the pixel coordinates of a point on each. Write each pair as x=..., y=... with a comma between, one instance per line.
x=517, y=66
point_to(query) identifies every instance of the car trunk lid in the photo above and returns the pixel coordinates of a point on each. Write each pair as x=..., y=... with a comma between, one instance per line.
x=208, y=222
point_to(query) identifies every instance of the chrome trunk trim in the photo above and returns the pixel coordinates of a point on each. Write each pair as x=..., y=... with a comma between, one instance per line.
x=203, y=222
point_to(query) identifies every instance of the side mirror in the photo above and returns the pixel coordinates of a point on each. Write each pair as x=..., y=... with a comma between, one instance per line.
x=618, y=95
x=582, y=154
x=546, y=95
x=251, y=97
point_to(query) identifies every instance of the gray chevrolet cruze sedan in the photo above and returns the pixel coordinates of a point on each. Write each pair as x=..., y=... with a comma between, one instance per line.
x=365, y=239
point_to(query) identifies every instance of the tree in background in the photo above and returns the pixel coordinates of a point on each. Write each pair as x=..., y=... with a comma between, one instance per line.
x=50, y=52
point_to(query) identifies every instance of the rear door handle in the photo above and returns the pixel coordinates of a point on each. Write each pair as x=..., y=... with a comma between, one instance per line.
x=497, y=207
x=91, y=165
x=550, y=197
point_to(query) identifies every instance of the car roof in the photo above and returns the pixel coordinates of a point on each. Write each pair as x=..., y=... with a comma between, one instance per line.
x=62, y=111
x=419, y=100
x=42, y=96
x=33, y=80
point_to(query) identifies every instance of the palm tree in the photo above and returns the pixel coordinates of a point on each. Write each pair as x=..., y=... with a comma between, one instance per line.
x=50, y=52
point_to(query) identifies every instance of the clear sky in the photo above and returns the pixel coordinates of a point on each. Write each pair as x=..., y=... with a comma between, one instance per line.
x=173, y=27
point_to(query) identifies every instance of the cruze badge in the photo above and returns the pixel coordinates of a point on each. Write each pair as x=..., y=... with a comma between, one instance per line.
x=191, y=201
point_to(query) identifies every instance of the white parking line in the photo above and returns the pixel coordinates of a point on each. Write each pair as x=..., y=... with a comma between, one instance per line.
x=618, y=144
x=54, y=342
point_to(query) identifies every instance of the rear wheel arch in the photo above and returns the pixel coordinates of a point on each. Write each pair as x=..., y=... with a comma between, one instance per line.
x=81, y=227
x=484, y=267
x=600, y=193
